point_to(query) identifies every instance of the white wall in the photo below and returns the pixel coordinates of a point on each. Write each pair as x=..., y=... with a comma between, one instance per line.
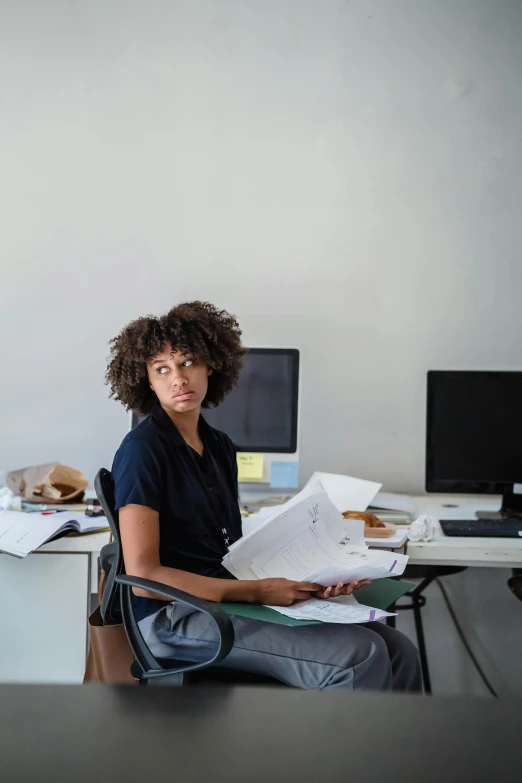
x=344, y=176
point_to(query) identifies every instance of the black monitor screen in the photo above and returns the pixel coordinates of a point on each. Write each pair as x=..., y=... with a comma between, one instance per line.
x=474, y=431
x=261, y=413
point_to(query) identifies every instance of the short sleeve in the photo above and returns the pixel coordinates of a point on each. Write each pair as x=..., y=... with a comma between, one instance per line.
x=137, y=475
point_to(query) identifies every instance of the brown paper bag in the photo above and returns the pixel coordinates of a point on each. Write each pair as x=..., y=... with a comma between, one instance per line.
x=51, y=483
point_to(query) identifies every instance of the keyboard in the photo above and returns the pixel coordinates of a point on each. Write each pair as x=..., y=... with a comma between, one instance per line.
x=482, y=528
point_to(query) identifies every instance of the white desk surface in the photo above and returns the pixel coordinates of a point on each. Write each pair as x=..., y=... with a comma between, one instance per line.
x=90, y=543
x=446, y=550
x=488, y=552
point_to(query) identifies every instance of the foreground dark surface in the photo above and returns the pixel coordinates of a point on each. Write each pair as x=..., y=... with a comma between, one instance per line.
x=70, y=733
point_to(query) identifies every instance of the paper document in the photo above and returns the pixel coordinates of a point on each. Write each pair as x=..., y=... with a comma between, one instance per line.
x=392, y=542
x=308, y=550
x=21, y=533
x=358, y=565
x=393, y=502
x=344, y=609
x=311, y=509
x=345, y=492
x=307, y=539
x=249, y=524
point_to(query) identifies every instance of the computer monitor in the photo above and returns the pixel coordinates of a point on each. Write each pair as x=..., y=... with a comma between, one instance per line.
x=261, y=414
x=474, y=435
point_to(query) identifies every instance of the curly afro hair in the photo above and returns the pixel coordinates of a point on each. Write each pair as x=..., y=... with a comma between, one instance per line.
x=199, y=328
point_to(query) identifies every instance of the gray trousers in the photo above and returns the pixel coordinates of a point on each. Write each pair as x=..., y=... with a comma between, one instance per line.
x=357, y=657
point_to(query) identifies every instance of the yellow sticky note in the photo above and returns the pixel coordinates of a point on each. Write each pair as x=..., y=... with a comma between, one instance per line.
x=250, y=466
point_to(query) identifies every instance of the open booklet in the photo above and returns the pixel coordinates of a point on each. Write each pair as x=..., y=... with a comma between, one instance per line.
x=21, y=533
x=308, y=539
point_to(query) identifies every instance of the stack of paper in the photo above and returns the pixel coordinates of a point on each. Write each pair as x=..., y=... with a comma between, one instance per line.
x=396, y=541
x=352, y=494
x=392, y=542
x=390, y=501
x=345, y=492
x=307, y=539
x=344, y=609
x=22, y=533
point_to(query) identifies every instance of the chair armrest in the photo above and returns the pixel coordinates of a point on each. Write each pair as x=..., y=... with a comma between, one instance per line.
x=149, y=664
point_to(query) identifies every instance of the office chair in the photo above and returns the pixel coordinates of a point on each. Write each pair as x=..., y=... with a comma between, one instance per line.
x=116, y=608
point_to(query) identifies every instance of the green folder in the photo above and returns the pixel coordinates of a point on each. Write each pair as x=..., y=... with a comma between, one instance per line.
x=380, y=594
x=257, y=612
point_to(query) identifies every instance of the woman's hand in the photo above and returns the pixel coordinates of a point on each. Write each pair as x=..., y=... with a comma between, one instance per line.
x=341, y=589
x=283, y=592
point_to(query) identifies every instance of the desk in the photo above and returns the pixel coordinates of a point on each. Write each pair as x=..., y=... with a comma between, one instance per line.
x=452, y=551
x=48, y=638
x=445, y=550
x=487, y=552
x=44, y=604
x=93, y=733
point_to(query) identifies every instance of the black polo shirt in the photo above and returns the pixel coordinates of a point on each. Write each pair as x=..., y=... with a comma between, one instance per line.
x=196, y=497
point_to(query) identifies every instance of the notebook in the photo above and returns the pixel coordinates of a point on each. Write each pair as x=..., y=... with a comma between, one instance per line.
x=21, y=533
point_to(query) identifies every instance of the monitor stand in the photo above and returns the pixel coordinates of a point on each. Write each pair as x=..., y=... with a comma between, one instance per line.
x=511, y=507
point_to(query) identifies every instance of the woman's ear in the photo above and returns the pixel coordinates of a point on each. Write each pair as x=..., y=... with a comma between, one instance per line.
x=210, y=370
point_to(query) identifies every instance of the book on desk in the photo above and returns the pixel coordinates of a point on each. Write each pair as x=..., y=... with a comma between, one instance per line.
x=22, y=533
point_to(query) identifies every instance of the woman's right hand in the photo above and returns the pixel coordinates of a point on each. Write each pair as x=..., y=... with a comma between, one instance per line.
x=283, y=592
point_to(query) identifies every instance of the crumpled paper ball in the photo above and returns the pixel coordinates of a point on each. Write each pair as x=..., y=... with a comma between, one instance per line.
x=8, y=500
x=423, y=529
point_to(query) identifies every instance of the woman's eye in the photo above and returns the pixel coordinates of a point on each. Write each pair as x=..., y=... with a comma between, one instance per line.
x=162, y=370
x=188, y=362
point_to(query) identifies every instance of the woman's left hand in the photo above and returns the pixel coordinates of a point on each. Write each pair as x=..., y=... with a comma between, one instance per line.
x=342, y=589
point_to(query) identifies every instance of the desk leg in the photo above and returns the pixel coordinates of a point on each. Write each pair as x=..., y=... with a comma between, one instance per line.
x=417, y=602
x=421, y=642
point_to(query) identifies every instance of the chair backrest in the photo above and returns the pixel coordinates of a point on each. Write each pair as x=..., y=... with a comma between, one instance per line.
x=112, y=554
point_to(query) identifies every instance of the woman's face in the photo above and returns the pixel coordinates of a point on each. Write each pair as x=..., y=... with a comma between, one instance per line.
x=179, y=380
